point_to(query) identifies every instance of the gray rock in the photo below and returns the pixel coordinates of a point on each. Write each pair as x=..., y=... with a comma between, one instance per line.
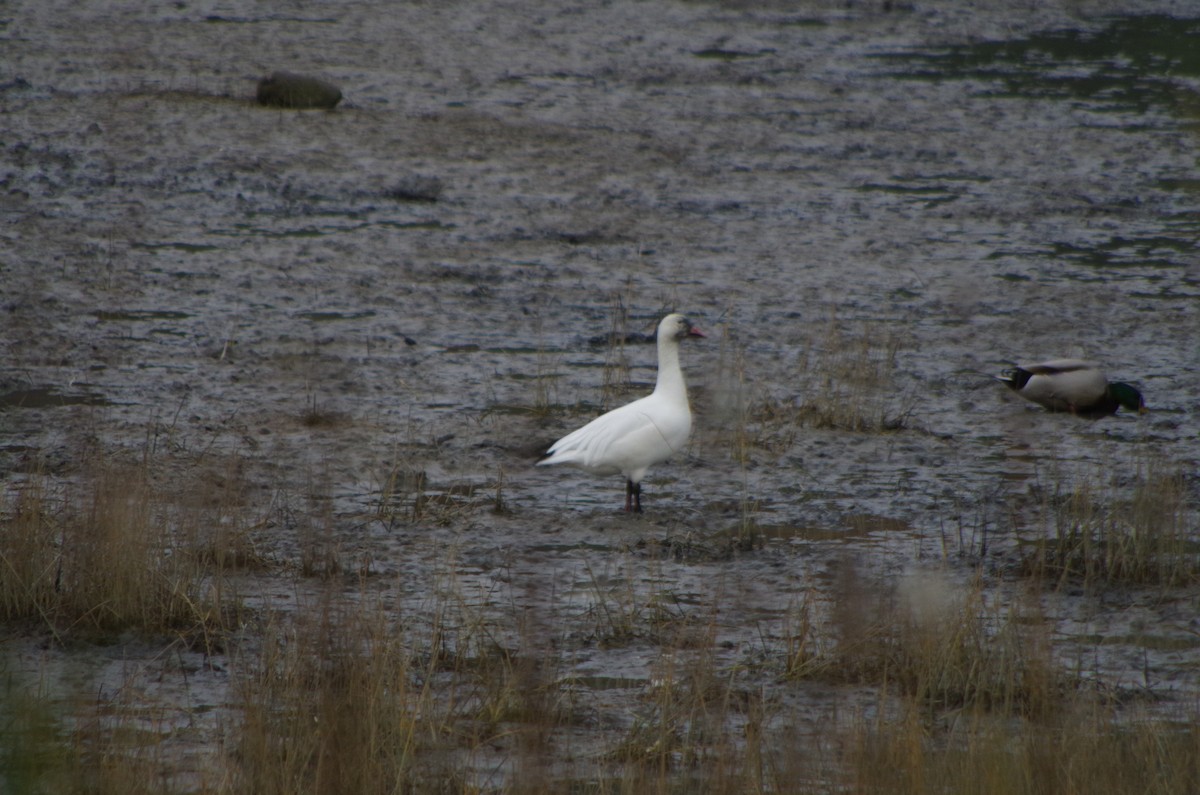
x=290, y=90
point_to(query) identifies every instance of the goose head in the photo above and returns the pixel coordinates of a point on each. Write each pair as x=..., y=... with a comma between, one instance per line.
x=676, y=327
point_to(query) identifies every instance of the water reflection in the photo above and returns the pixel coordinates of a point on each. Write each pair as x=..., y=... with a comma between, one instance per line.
x=1138, y=70
x=1131, y=65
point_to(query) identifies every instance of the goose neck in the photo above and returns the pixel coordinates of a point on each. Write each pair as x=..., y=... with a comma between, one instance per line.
x=670, y=374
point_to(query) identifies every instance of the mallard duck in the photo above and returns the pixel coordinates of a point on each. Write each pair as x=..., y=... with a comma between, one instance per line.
x=630, y=439
x=1072, y=385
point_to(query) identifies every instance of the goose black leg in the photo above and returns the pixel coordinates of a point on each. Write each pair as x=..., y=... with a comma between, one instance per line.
x=633, y=496
x=637, y=497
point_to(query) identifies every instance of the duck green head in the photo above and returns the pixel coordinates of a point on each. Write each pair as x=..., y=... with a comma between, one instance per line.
x=1128, y=397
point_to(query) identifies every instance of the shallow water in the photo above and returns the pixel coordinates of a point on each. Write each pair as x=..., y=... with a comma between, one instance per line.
x=423, y=281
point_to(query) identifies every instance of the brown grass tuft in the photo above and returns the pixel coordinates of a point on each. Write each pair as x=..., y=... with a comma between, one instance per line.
x=1105, y=531
x=104, y=556
x=941, y=644
x=328, y=707
x=850, y=383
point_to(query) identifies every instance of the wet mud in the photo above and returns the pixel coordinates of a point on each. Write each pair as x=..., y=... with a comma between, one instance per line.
x=384, y=312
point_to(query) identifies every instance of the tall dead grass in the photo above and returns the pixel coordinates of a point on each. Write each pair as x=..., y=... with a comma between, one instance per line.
x=50, y=747
x=947, y=686
x=850, y=384
x=108, y=555
x=940, y=644
x=1081, y=749
x=344, y=696
x=104, y=554
x=327, y=706
x=972, y=700
x=1131, y=526
x=846, y=382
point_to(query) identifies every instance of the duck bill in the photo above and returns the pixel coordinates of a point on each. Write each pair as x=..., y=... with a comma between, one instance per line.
x=695, y=332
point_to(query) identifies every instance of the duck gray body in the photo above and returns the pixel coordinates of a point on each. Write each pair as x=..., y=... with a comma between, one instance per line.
x=1072, y=385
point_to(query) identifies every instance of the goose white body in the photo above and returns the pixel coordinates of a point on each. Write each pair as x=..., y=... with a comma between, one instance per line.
x=631, y=439
x=628, y=440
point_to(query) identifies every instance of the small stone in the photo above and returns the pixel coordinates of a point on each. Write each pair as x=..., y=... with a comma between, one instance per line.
x=415, y=188
x=289, y=90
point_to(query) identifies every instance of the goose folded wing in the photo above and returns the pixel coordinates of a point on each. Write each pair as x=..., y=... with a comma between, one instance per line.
x=623, y=439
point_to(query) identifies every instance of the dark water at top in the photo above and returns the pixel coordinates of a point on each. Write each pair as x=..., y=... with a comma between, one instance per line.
x=1130, y=65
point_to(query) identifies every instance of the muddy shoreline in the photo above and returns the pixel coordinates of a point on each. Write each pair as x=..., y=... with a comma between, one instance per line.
x=360, y=326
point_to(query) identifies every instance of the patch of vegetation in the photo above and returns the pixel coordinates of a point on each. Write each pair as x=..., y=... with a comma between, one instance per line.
x=1132, y=527
x=104, y=555
x=937, y=643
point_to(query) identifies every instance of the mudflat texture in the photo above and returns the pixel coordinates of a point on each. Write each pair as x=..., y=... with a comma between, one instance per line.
x=377, y=316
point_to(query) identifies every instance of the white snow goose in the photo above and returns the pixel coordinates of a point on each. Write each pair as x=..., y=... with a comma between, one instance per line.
x=1072, y=385
x=631, y=439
